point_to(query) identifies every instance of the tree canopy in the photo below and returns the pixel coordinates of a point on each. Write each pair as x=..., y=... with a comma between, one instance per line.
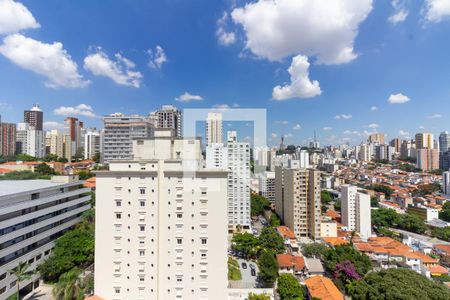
x=289, y=288
x=268, y=269
x=386, y=217
x=258, y=204
x=252, y=296
x=317, y=250
x=271, y=240
x=381, y=189
x=341, y=253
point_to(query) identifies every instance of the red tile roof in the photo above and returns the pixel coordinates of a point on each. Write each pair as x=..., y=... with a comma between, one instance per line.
x=290, y=261
x=323, y=288
x=285, y=232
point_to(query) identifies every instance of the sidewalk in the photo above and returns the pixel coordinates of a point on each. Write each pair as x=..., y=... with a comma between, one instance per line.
x=43, y=292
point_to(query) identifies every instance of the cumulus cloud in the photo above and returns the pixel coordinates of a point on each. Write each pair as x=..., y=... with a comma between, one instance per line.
x=435, y=116
x=79, y=110
x=157, y=57
x=51, y=125
x=297, y=127
x=373, y=125
x=301, y=86
x=321, y=28
x=49, y=60
x=373, y=108
x=354, y=132
x=404, y=134
x=398, y=98
x=343, y=117
x=226, y=106
x=273, y=135
x=282, y=122
x=14, y=17
x=436, y=10
x=188, y=97
x=223, y=36
x=401, y=12
x=327, y=128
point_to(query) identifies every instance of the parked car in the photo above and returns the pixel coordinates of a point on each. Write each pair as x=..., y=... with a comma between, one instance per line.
x=244, y=265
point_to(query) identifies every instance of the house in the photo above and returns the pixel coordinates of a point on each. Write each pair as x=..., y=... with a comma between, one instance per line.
x=314, y=266
x=292, y=264
x=334, y=241
x=322, y=288
x=289, y=238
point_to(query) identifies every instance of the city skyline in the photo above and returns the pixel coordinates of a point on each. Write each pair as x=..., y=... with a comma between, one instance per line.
x=220, y=60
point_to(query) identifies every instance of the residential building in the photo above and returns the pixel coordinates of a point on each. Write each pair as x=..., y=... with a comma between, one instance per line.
x=267, y=185
x=446, y=183
x=444, y=160
x=320, y=287
x=364, y=153
x=33, y=216
x=303, y=157
x=72, y=137
x=328, y=228
x=444, y=148
x=214, y=128
x=427, y=159
x=408, y=149
x=298, y=200
x=161, y=224
x=376, y=138
x=355, y=210
x=216, y=156
x=425, y=213
x=30, y=141
x=7, y=138
x=384, y=152
x=396, y=143
x=424, y=141
x=91, y=143
x=168, y=116
x=34, y=117
x=55, y=142
x=238, y=182
x=119, y=132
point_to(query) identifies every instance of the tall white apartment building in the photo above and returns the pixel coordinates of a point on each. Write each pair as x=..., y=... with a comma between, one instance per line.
x=217, y=156
x=364, y=152
x=33, y=214
x=446, y=182
x=29, y=140
x=303, y=157
x=119, y=131
x=238, y=182
x=214, y=128
x=161, y=224
x=54, y=142
x=355, y=210
x=267, y=185
x=91, y=143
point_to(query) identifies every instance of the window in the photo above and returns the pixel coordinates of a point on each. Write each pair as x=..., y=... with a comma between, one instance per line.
x=118, y=203
x=142, y=227
x=142, y=191
x=117, y=290
x=141, y=252
x=118, y=216
x=179, y=241
x=179, y=216
x=142, y=203
x=204, y=241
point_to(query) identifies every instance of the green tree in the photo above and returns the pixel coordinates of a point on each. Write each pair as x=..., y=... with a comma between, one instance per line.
x=50, y=157
x=326, y=197
x=271, y=240
x=21, y=272
x=445, y=213
x=384, y=217
x=84, y=175
x=342, y=253
x=69, y=286
x=258, y=204
x=381, y=189
x=62, y=160
x=412, y=223
x=245, y=243
x=23, y=175
x=44, y=169
x=252, y=296
x=289, y=288
x=314, y=250
x=268, y=269
x=373, y=201
x=25, y=157
x=337, y=205
x=274, y=220
x=96, y=157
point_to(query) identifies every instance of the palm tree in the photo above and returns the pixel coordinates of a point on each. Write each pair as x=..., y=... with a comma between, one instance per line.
x=69, y=286
x=21, y=272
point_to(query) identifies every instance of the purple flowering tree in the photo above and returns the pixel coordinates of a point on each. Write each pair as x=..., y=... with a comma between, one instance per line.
x=346, y=271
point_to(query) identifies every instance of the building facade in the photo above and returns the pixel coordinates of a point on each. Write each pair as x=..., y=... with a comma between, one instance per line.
x=424, y=141
x=91, y=143
x=34, y=117
x=72, y=137
x=32, y=217
x=214, y=128
x=161, y=225
x=427, y=159
x=7, y=139
x=356, y=211
x=169, y=117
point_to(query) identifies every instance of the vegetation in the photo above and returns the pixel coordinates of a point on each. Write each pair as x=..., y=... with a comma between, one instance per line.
x=54, y=157
x=408, y=168
x=373, y=201
x=268, y=269
x=250, y=246
x=381, y=189
x=70, y=286
x=397, y=284
x=252, y=296
x=274, y=220
x=84, y=175
x=409, y=159
x=289, y=288
x=445, y=213
x=337, y=205
x=44, y=169
x=317, y=250
x=386, y=217
x=339, y=254
x=270, y=240
x=234, y=272
x=23, y=175
x=426, y=189
x=21, y=272
x=258, y=204
x=442, y=233
x=326, y=197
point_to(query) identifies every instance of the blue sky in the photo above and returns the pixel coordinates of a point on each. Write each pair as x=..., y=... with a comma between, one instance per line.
x=233, y=53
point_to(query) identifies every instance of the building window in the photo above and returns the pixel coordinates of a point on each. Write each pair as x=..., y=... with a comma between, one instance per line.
x=118, y=203
x=142, y=227
x=141, y=252
x=142, y=191
x=179, y=241
x=118, y=216
x=179, y=216
x=142, y=203
x=204, y=241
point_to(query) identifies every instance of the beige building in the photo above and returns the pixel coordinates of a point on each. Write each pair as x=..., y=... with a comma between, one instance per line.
x=54, y=142
x=427, y=159
x=161, y=224
x=328, y=228
x=214, y=128
x=376, y=138
x=298, y=200
x=424, y=141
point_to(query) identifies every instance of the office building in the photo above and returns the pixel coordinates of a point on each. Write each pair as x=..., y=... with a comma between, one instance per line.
x=376, y=138
x=427, y=159
x=33, y=216
x=444, y=148
x=355, y=210
x=444, y=160
x=91, y=143
x=238, y=182
x=161, y=224
x=7, y=139
x=424, y=141
x=169, y=117
x=214, y=128
x=298, y=200
x=34, y=117
x=119, y=132
x=267, y=185
x=72, y=137
x=446, y=182
x=54, y=141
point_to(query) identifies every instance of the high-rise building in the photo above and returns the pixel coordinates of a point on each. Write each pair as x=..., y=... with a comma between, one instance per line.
x=424, y=141
x=34, y=213
x=355, y=210
x=91, y=143
x=364, y=152
x=34, y=117
x=119, y=132
x=238, y=182
x=161, y=224
x=396, y=143
x=298, y=200
x=444, y=146
x=169, y=117
x=427, y=159
x=214, y=128
x=384, y=152
x=446, y=182
x=267, y=185
x=408, y=149
x=376, y=138
x=30, y=141
x=303, y=157
x=72, y=137
x=7, y=138
x=444, y=160
x=55, y=142
x=216, y=156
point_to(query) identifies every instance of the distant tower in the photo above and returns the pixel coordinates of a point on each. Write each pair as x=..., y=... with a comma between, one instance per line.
x=282, y=147
x=34, y=117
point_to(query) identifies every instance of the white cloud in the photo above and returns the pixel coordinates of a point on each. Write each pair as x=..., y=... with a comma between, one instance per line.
x=373, y=108
x=435, y=116
x=301, y=86
x=297, y=127
x=157, y=57
x=224, y=37
x=14, y=17
x=283, y=122
x=321, y=28
x=288, y=135
x=398, y=98
x=226, y=106
x=343, y=116
x=373, y=125
x=327, y=128
x=354, y=132
x=436, y=10
x=4, y=106
x=273, y=135
x=401, y=13
x=49, y=60
x=79, y=110
x=50, y=125
x=187, y=97
x=421, y=127
x=404, y=134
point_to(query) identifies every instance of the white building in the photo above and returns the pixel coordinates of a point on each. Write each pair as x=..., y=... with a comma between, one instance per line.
x=54, y=142
x=91, y=143
x=29, y=140
x=303, y=157
x=214, y=128
x=33, y=214
x=446, y=183
x=216, y=156
x=364, y=152
x=355, y=210
x=267, y=185
x=161, y=224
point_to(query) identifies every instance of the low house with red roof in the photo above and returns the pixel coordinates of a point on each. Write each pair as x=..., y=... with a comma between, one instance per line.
x=292, y=264
x=320, y=287
x=289, y=238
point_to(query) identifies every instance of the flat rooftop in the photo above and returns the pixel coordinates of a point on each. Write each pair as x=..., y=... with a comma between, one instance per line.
x=10, y=187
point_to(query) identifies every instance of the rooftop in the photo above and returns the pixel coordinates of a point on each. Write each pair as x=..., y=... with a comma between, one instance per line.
x=323, y=288
x=9, y=187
